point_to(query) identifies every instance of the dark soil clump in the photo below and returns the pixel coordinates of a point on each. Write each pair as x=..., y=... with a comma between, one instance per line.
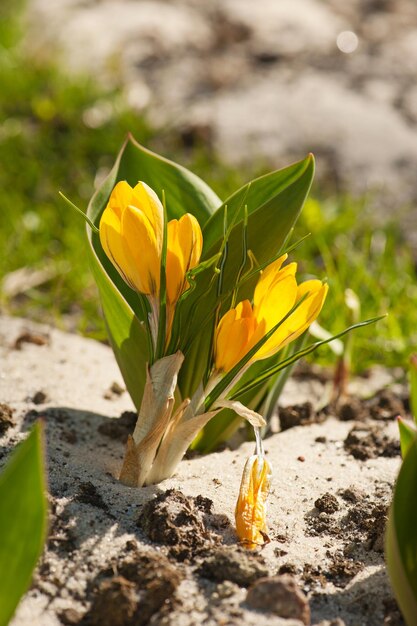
x=234, y=564
x=119, y=428
x=38, y=339
x=144, y=584
x=181, y=522
x=6, y=418
x=342, y=570
x=386, y=405
x=352, y=408
x=327, y=503
x=299, y=415
x=88, y=494
x=367, y=442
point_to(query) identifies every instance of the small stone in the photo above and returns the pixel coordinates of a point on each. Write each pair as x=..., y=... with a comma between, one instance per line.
x=331, y=622
x=280, y=595
x=115, y=603
x=327, y=504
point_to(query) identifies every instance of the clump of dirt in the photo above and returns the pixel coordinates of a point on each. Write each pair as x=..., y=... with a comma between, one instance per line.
x=367, y=442
x=327, y=503
x=114, y=391
x=279, y=595
x=235, y=564
x=120, y=428
x=39, y=397
x=6, y=418
x=88, y=494
x=362, y=527
x=342, y=570
x=144, y=584
x=185, y=524
x=386, y=405
x=38, y=339
x=351, y=408
x=299, y=415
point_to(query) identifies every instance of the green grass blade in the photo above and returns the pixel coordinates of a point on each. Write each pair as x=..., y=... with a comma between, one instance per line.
x=401, y=538
x=23, y=520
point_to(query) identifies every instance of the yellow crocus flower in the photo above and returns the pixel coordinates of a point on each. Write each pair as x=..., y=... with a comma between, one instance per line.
x=184, y=246
x=131, y=233
x=250, y=513
x=275, y=295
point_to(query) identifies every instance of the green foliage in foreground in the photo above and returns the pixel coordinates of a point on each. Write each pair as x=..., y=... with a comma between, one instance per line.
x=401, y=537
x=23, y=514
x=57, y=131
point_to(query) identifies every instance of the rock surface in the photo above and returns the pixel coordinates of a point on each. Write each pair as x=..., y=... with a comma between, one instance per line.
x=262, y=80
x=97, y=551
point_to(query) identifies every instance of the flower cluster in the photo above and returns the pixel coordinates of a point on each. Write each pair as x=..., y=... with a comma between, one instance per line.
x=149, y=253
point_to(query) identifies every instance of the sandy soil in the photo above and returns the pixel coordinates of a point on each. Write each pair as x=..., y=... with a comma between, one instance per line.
x=153, y=555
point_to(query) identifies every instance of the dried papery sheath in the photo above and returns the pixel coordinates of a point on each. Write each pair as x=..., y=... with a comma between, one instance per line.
x=250, y=513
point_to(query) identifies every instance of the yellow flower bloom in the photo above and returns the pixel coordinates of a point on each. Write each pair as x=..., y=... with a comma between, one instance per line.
x=250, y=513
x=275, y=295
x=131, y=233
x=184, y=246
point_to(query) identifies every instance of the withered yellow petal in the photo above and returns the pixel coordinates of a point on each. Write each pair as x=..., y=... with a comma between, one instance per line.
x=250, y=512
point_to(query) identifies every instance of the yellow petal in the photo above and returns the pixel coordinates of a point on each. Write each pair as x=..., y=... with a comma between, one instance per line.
x=250, y=513
x=144, y=198
x=112, y=243
x=184, y=248
x=305, y=314
x=141, y=250
x=233, y=336
x=267, y=277
x=120, y=197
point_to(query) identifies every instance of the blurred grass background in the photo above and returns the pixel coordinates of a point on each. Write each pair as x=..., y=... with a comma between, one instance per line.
x=60, y=132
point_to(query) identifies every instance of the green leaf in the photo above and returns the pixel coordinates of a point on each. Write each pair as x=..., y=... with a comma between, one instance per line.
x=23, y=520
x=401, y=537
x=124, y=315
x=273, y=204
x=408, y=433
